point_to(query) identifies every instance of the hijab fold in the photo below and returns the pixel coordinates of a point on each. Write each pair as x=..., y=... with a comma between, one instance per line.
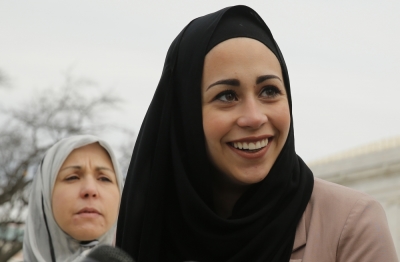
x=167, y=210
x=44, y=240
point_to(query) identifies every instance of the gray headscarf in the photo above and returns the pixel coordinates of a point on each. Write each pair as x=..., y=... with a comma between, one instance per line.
x=49, y=242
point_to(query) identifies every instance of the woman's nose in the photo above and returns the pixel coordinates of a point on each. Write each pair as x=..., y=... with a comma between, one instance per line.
x=252, y=114
x=89, y=188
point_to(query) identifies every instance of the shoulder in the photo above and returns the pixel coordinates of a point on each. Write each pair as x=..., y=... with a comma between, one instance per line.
x=354, y=223
x=324, y=190
x=332, y=207
x=338, y=206
x=327, y=195
x=345, y=205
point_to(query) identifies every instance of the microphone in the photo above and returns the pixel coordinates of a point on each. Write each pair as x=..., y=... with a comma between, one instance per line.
x=104, y=253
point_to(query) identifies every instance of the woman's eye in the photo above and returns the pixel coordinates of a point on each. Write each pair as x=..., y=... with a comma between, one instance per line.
x=104, y=179
x=227, y=96
x=70, y=178
x=270, y=91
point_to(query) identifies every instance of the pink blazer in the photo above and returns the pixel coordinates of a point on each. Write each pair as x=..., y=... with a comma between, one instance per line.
x=342, y=225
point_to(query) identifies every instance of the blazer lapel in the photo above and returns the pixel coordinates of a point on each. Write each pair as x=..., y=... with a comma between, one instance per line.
x=301, y=236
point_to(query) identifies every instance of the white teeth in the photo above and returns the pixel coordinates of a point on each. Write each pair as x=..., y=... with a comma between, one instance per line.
x=252, y=145
x=263, y=143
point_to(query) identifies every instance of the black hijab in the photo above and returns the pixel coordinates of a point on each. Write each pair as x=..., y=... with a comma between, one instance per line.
x=166, y=211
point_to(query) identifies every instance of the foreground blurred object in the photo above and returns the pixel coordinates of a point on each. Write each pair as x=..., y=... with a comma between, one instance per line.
x=27, y=131
x=109, y=254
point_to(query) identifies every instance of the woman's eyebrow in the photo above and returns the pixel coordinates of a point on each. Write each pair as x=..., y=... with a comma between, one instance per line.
x=99, y=168
x=235, y=82
x=74, y=167
x=230, y=82
x=261, y=79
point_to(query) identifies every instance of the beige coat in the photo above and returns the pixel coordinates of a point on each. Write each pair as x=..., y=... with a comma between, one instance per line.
x=341, y=224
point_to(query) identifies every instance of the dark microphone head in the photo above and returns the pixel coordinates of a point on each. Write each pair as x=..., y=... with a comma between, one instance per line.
x=105, y=253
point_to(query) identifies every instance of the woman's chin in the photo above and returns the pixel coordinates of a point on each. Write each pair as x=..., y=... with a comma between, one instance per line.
x=87, y=234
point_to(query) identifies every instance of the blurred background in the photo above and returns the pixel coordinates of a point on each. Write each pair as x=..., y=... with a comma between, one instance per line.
x=88, y=66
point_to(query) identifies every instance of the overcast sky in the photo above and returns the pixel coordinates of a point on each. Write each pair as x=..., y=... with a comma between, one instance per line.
x=343, y=58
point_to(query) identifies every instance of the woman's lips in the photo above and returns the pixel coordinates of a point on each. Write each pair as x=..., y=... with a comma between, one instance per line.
x=251, y=149
x=88, y=212
x=251, y=145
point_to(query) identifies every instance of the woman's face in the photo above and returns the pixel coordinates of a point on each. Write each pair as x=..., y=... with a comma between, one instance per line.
x=246, y=117
x=86, y=195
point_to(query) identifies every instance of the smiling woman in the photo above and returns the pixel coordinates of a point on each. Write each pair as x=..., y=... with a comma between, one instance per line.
x=74, y=201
